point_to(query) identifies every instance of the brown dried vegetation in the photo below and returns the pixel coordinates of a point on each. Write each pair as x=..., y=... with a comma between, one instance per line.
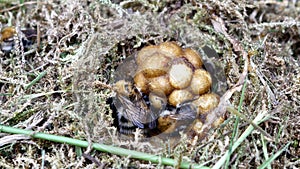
x=79, y=42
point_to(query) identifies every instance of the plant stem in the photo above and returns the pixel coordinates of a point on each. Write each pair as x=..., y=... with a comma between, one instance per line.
x=100, y=147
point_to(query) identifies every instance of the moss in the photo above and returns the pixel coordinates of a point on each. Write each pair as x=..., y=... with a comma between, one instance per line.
x=84, y=41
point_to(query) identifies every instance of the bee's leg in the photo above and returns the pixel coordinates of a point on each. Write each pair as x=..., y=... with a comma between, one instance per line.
x=153, y=124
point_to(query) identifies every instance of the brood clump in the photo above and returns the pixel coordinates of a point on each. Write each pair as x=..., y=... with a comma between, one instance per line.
x=170, y=88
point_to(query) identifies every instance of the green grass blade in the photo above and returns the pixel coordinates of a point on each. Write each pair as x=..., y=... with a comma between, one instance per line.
x=264, y=148
x=258, y=119
x=232, y=110
x=100, y=147
x=38, y=78
x=236, y=123
x=273, y=157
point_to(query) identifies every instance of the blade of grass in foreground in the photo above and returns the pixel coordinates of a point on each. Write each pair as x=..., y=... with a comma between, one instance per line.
x=265, y=150
x=100, y=147
x=236, y=123
x=38, y=78
x=244, y=135
x=36, y=95
x=273, y=157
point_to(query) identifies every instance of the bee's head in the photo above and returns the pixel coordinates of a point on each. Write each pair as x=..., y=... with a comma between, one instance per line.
x=123, y=87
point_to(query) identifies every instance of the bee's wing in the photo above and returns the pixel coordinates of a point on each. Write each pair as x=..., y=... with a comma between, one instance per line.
x=136, y=112
x=153, y=117
x=134, y=115
x=186, y=111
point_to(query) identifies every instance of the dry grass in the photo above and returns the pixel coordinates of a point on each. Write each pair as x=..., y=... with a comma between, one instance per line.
x=84, y=41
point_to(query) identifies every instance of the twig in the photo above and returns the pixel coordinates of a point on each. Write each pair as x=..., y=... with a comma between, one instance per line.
x=102, y=85
x=20, y=5
x=12, y=138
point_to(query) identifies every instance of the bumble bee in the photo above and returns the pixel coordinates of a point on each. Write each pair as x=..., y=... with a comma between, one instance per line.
x=175, y=120
x=134, y=111
x=9, y=35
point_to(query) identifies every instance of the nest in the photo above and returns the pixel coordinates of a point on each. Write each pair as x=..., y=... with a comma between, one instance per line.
x=164, y=90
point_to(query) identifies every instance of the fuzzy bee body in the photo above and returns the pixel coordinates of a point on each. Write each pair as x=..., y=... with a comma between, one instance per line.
x=133, y=110
x=125, y=126
x=175, y=120
x=9, y=38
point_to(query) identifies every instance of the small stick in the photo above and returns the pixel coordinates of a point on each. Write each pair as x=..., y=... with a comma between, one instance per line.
x=102, y=85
